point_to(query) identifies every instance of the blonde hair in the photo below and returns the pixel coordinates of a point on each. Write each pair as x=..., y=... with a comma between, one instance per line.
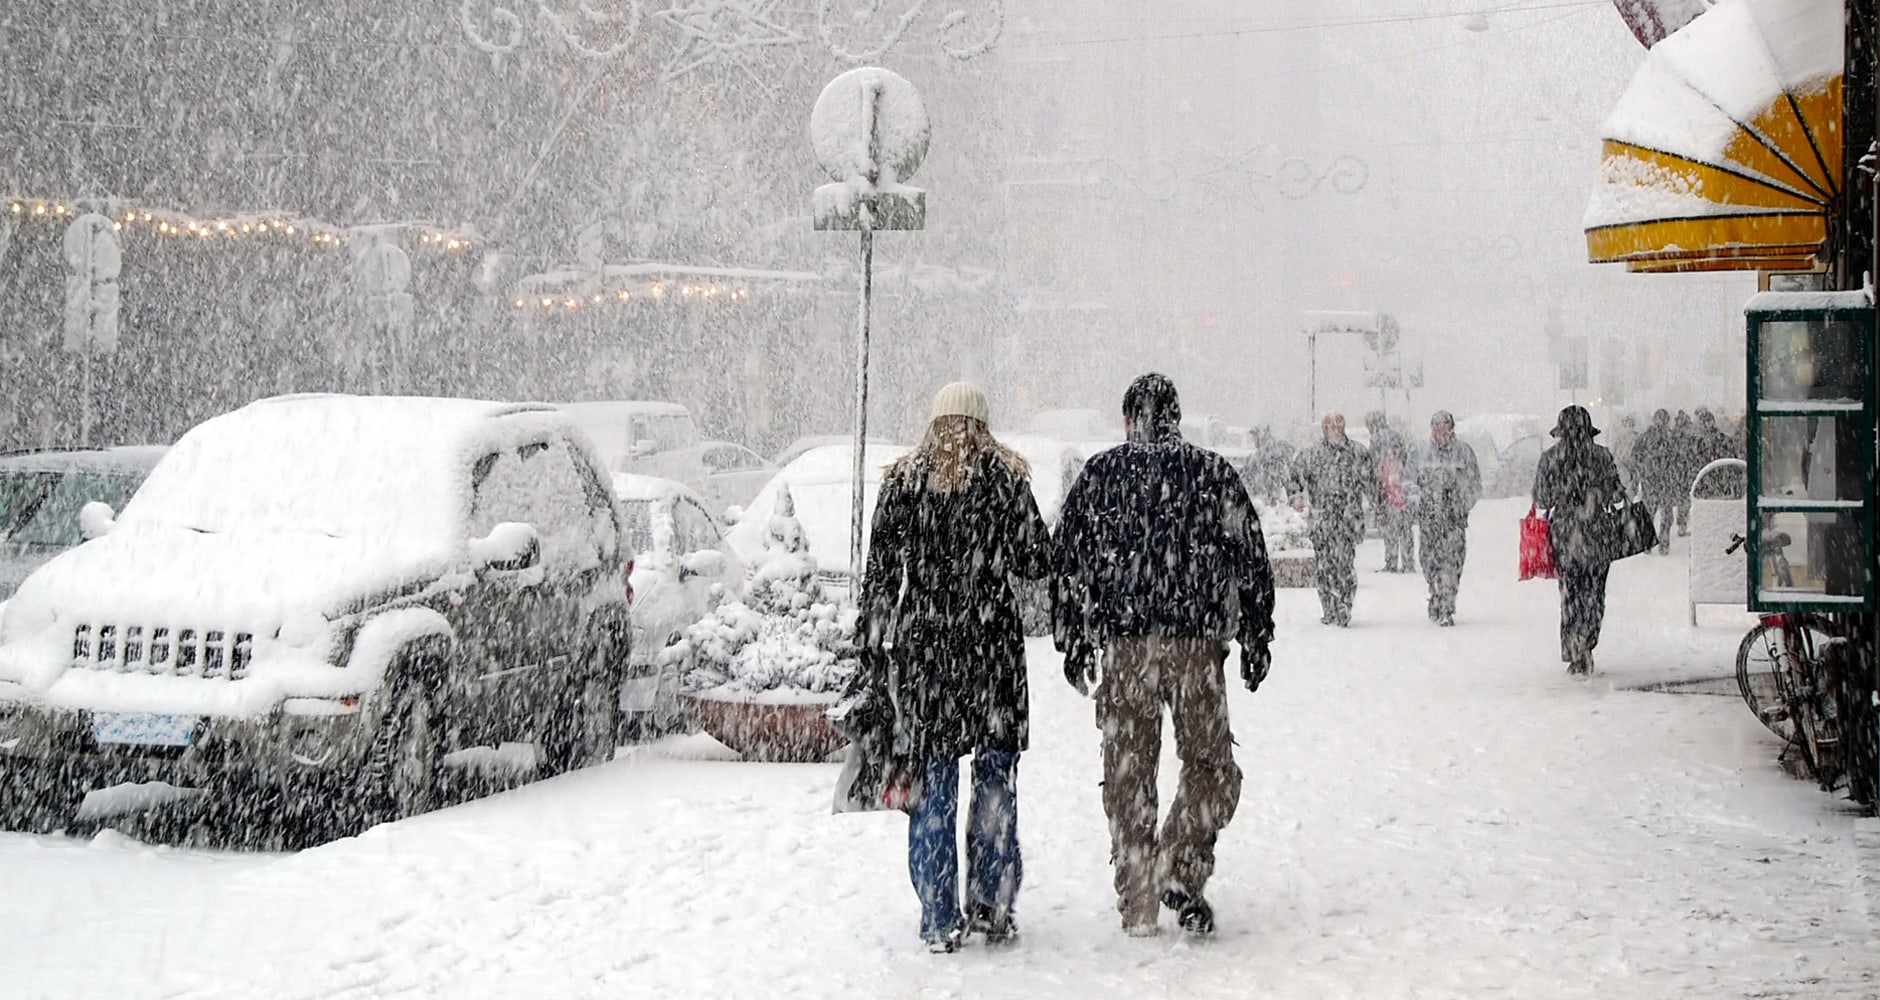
x=950, y=454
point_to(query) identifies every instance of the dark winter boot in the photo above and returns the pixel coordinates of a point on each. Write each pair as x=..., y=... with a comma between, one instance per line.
x=1192, y=912
x=996, y=925
x=945, y=944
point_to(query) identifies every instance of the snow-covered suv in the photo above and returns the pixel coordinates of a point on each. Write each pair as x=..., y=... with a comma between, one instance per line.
x=326, y=594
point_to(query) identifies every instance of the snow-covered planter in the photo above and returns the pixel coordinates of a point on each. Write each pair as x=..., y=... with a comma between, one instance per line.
x=758, y=674
x=1288, y=544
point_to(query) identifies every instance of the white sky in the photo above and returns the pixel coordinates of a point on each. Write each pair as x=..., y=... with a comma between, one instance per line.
x=1479, y=150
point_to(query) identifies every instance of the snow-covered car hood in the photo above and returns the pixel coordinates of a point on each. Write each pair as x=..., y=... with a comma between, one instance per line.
x=157, y=575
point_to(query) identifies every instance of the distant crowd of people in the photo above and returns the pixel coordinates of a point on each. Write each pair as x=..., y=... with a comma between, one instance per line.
x=1658, y=464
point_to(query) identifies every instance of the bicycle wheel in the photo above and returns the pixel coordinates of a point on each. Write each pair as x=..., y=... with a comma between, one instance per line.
x=1762, y=678
x=1813, y=705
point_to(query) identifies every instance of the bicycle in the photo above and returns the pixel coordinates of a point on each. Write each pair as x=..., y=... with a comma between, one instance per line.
x=1780, y=673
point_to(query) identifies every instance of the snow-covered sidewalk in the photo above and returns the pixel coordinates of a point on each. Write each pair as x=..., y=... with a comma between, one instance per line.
x=1427, y=813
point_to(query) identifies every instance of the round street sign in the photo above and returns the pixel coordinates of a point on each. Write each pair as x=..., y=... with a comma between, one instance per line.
x=869, y=125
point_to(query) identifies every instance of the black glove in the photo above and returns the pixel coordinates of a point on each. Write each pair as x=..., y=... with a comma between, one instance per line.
x=1255, y=660
x=1080, y=667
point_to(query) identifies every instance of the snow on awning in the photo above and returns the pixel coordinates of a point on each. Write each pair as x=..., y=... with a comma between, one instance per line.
x=1725, y=151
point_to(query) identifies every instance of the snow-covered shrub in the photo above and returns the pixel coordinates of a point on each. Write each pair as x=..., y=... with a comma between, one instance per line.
x=786, y=635
x=1284, y=527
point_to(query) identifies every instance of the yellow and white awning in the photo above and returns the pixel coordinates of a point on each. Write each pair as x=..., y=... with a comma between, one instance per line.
x=1725, y=151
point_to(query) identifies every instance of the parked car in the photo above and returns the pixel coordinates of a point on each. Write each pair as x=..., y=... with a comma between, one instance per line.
x=682, y=569
x=795, y=449
x=326, y=594
x=733, y=474
x=42, y=492
x=646, y=439
x=821, y=481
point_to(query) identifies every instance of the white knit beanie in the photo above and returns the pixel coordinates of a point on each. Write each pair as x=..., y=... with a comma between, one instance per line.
x=961, y=399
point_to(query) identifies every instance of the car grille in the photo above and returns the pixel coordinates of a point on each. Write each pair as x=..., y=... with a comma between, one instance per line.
x=185, y=652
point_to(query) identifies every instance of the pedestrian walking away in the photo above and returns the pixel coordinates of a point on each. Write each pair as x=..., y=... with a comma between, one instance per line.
x=1575, y=482
x=1622, y=444
x=1658, y=459
x=1390, y=463
x=955, y=524
x=1159, y=563
x=1332, y=480
x=1688, y=446
x=1448, y=482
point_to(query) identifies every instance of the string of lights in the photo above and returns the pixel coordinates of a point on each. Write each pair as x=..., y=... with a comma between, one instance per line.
x=270, y=225
x=654, y=292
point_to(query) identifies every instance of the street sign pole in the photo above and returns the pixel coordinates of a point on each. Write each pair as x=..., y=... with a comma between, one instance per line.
x=861, y=407
x=84, y=398
x=869, y=130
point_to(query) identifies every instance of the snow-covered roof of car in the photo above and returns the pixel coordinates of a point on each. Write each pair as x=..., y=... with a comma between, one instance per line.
x=616, y=407
x=132, y=458
x=366, y=466
x=629, y=486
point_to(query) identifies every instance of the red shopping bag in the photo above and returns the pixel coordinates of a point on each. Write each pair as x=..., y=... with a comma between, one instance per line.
x=1537, y=549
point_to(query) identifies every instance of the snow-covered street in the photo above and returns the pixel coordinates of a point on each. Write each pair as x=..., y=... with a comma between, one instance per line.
x=1427, y=813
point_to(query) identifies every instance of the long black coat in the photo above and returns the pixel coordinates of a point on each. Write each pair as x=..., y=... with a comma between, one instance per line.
x=1158, y=537
x=938, y=591
x=1659, y=458
x=1577, y=479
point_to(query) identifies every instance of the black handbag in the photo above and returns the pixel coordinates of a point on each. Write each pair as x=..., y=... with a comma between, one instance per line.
x=1627, y=529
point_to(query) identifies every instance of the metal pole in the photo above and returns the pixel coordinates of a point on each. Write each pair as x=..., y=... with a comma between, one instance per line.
x=1312, y=374
x=84, y=397
x=871, y=111
x=861, y=412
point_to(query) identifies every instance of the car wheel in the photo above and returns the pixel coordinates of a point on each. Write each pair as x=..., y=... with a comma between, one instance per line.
x=36, y=797
x=403, y=767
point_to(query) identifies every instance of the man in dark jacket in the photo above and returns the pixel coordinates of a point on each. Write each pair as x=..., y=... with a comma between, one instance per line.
x=1448, y=482
x=1159, y=563
x=1390, y=463
x=1657, y=457
x=1335, y=477
x=1575, y=481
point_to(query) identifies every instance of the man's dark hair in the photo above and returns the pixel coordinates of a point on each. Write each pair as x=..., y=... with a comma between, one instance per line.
x=1151, y=400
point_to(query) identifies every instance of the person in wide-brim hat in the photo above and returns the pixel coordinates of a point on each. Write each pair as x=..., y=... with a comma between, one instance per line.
x=1574, y=420
x=1575, y=481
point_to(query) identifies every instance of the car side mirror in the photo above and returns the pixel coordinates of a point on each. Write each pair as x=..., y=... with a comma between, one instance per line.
x=644, y=447
x=706, y=562
x=96, y=519
x=510, y=546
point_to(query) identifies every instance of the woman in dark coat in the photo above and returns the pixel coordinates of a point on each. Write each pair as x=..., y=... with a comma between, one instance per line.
x=1575, y=482
x=954, y=525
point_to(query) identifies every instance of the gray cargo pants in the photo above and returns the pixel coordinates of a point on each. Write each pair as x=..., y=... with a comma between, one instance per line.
x=1140, y=675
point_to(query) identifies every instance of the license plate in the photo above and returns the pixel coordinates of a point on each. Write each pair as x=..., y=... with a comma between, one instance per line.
x=143, y=728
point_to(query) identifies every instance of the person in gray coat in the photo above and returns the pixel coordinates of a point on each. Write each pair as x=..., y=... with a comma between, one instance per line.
x=1335, y=476
x=1448, y=482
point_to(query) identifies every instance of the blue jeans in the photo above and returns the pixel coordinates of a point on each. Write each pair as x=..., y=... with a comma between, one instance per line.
x=993, y=866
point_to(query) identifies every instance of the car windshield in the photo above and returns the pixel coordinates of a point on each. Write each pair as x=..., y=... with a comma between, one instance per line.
x=639, y=522
x=20, y=494
x=54, y=524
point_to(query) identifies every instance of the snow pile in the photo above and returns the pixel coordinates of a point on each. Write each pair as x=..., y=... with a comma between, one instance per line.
x=787, y=634
x=1285, y=528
